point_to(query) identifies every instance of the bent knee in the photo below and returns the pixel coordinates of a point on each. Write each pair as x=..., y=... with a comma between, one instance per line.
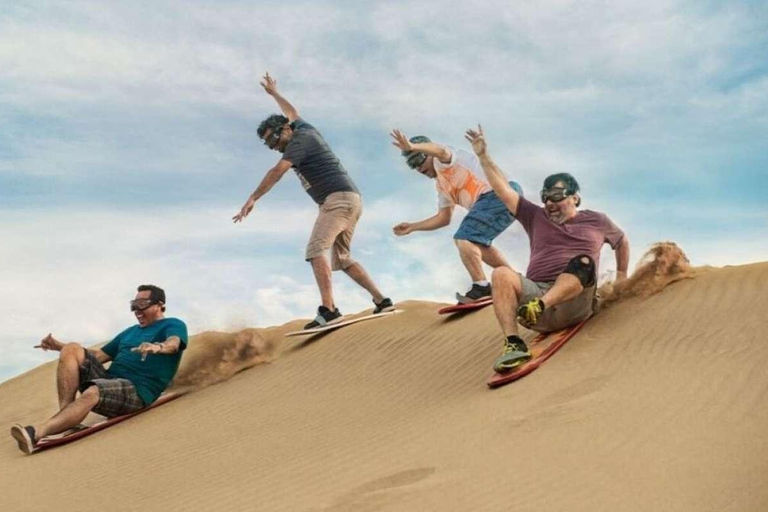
x=73, y=350
x=504, y=275
x=583, y=267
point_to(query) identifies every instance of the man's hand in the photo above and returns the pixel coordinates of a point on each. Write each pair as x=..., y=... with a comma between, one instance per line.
x=147, y=348
x=402, y=229
x=269, y=84
x=50, y=343
x=400, y=141
x=245, y=210
x=477, y=139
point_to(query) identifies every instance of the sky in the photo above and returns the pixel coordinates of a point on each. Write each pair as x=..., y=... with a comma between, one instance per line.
x=128, y=143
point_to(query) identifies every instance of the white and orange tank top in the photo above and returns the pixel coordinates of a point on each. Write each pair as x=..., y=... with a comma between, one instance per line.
x=458, y=182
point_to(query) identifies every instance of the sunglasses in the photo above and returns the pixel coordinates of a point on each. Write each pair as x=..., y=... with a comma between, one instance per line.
x=416, y=160
x=142, y=304
x=554, y=194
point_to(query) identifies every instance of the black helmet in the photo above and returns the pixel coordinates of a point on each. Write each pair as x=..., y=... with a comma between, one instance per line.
x=414, y=159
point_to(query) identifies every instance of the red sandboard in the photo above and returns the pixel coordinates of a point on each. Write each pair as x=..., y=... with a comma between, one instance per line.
x=465, y=307
x=542, y=347
x=78, y=433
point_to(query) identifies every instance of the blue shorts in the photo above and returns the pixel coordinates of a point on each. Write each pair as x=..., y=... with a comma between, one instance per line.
x=487, y=218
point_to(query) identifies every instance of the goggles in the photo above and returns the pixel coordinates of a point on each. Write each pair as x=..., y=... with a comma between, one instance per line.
x=554, y=194
x=416, y=160
x=272, y=139
x=142, y=304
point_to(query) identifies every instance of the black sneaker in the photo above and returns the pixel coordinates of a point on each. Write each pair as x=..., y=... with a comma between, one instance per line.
x=324, y=317
x=384, y=305
x=25, y=437
x=475, y=294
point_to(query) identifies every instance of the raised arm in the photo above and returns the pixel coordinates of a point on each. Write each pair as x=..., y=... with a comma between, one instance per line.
x=269, y=181
x=270, y=85
x=400, y=141
x=622, y=259
x=496, y=178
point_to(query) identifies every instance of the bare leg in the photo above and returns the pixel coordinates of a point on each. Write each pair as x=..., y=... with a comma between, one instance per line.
x=471, y=257
x=361, y=277
x=507, y=288
x=322, y=271
x=493, y=257
x=566, y=287
x=68, y=373
x=69, y=416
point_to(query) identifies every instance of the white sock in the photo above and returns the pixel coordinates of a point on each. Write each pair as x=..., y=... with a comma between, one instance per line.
x=484, y=282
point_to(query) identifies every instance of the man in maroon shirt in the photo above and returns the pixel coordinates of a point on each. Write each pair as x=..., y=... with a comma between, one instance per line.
x=559, y=286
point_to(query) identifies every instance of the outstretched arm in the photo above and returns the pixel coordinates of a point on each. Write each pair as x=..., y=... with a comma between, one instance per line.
x=270, y=85
x=496, y=178
x=269, y=181
x=51, y=343
x=622, y=259
x=400, y=141
x=169, y=346
x=441, y=219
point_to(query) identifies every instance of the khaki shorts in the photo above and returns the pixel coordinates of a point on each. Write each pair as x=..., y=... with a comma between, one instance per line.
x=563, y=315
x=334, y=228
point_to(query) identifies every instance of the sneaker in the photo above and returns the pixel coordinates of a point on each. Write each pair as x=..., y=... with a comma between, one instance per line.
x=324, y=317
x=384, y=305
x=475, y=294
x=515, y=353
x=529, y=314
x=25, y=437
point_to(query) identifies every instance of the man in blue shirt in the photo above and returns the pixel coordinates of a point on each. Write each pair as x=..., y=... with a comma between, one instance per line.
x=144, y=358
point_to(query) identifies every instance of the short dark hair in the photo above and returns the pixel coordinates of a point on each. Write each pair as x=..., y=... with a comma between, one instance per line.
x=156, y=294
x=571, y=185
x=273, y=122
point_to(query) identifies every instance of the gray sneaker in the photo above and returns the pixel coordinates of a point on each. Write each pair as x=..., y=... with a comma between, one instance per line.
x=516, y=353
x=25, y=437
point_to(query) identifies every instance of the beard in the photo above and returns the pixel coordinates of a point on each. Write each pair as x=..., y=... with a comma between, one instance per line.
x=557, y=216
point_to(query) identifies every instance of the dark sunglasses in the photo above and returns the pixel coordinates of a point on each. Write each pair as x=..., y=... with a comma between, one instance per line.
x=142, y=304
x=416, y=160
x=554, y=194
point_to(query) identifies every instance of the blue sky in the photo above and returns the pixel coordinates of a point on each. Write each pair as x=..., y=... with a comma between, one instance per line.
x=129, y=142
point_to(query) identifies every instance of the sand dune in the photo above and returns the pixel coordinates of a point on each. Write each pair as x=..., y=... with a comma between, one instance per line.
x=659, y=403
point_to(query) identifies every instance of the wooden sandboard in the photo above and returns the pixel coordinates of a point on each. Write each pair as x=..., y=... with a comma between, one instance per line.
x=84, y=431
x=336, y=325
x=542, y=347
x=465, y=307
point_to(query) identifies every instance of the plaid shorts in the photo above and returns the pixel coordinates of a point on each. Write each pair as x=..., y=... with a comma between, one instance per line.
x=116, y=396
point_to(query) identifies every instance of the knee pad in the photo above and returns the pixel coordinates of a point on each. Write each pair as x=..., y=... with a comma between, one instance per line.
x=586, y=272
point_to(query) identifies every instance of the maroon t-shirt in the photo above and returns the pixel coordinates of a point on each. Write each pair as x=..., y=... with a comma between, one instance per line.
x=554, y=245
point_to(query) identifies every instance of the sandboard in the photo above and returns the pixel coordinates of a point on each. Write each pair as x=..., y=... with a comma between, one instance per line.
x=85, y=430
x=342, y=323
x=542, y=347
x=465, y=307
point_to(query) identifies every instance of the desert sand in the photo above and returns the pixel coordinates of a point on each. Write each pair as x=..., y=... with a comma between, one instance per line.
x=659, y=403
